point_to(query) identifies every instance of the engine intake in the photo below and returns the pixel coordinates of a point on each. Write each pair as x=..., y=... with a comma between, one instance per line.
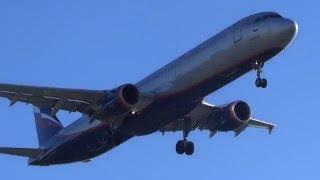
x=229, y=117
x=129, y=94
x=241, y=111
x=120, y=102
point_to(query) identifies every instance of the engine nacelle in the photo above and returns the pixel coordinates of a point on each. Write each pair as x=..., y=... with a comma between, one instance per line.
x=231, y=116
x=121, y=102
x=127, y=96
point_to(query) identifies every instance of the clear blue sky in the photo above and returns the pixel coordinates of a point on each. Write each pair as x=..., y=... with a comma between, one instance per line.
x=102, y=44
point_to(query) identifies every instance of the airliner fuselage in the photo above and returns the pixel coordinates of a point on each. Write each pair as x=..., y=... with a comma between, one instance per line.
x=212, y=65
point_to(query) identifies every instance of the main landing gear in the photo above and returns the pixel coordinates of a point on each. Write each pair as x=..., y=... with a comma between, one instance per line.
x=260, y=82
x=185, y=146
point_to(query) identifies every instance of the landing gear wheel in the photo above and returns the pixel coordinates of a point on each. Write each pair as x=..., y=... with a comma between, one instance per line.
x=258, y=82
x=185, y=146
x=189, y=148
x=257, y=65
x=180, y=147
x=263, y=83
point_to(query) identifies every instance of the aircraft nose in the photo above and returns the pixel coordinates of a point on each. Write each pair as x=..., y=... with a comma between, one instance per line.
x=289, y=30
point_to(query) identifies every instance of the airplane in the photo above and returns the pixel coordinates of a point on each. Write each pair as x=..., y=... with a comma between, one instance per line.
x=169, y=100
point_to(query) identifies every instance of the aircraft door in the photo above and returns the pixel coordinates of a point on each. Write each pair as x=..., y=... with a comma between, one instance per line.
x=237, y=35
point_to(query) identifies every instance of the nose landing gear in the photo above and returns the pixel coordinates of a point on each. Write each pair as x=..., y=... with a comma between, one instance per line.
x=185, y=146
x=260, y=82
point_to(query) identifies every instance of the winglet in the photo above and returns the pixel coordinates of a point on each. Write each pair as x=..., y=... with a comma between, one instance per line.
x=270, y=128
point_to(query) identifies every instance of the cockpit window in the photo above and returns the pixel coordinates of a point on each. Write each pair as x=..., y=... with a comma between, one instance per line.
x=267, y=17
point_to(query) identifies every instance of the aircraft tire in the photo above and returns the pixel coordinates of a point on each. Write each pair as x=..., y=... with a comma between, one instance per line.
x=264, y=83
x=180, y=148
x=189, y=148
x=258, y=82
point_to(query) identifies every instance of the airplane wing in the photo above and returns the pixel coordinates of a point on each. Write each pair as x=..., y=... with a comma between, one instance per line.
x=24, y=152
x=195, y=119
x=256, y=124
x=198, y=118
x=72, y=100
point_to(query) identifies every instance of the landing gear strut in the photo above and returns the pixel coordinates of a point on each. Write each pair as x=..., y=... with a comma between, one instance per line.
x=185, y=146
x=260, y=82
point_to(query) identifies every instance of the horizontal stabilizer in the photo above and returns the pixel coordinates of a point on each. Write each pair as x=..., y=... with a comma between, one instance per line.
x=24, y=152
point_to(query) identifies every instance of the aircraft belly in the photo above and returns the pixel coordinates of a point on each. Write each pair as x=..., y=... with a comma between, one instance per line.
x=156, y=116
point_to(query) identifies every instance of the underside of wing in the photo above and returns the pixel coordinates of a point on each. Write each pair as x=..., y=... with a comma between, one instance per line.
x=261, y=124
x=73, y=100
x=235, y=116
x=195, y=119
x=102, y=105
x=24, y=152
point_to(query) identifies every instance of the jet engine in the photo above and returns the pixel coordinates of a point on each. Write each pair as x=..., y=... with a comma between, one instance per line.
x=127, y=96
x=230, y=117
x=121, y=101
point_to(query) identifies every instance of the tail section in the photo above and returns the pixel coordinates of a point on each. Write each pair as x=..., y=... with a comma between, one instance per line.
x=47, y=124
